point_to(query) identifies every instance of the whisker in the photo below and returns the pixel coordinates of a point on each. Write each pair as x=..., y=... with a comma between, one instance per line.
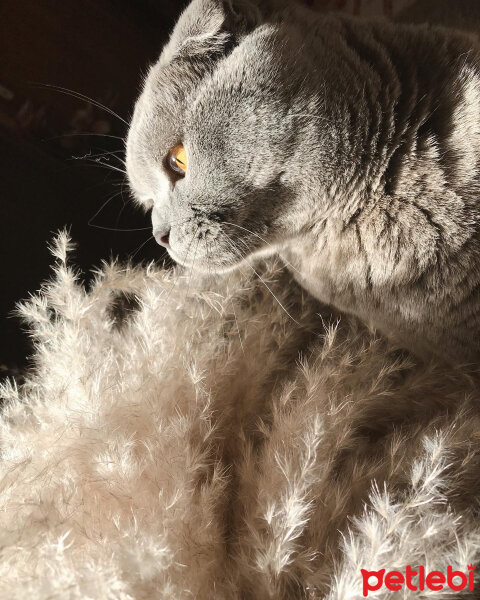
x=106, y=181
x=238, y=253
x=123, y=207
x=118, y=229
x=140, y=247
x=106, y=166
x=263, y=240
x=109, y=199
x=278, y=301
x=210, y=274
x=104, y=154
x=119, y=182
x=80, y=96
x=115, y=155
x=74, y=134
x=192, y=268
x=232, y=302
x=238, y=327
x=262, y=280
x=93, y=164
x=96, y=159
x=185, y=260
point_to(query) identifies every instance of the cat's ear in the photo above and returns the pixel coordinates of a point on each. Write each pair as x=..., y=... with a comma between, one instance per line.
x=209, y=27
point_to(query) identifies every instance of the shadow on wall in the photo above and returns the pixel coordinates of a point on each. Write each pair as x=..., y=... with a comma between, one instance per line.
x=61, y=153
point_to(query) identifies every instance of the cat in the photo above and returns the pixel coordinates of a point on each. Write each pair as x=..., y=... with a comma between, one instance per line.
x=349, y=147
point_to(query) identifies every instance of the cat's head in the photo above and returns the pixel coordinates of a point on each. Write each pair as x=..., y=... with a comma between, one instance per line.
x=213, y=144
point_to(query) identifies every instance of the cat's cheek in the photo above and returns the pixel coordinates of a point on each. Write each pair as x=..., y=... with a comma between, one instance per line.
x=176, y=257
x=163, y=187
x=202, y=264
x=265, y=251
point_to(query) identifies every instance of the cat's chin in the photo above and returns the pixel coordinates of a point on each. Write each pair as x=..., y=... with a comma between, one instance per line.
x=208, y=267
x=211, y=267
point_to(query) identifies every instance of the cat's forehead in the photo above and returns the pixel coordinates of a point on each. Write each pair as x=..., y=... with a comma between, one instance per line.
x=249, y=78
x=255, y=61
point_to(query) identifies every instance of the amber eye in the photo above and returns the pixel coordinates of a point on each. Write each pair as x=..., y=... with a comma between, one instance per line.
x=177, y=160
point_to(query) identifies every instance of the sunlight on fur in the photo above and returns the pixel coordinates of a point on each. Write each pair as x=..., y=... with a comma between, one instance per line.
x=212, y=448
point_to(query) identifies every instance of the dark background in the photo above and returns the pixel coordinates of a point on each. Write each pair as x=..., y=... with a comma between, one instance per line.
x=52, y=144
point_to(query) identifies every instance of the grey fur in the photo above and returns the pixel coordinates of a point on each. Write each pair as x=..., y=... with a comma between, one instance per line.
x=350, y=147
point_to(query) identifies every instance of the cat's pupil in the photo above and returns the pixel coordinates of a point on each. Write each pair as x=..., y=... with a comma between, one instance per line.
x=177, y=160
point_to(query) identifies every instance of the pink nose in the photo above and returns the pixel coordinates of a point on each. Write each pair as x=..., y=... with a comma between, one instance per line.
x=162, y=238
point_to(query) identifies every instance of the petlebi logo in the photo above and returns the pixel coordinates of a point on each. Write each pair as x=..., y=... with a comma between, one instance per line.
x=418, y=580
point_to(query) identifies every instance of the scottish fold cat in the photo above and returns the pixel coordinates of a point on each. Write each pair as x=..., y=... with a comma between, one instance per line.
x=349, y=147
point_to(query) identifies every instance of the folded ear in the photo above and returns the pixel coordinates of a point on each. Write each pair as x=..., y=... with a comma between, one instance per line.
x=209, y=27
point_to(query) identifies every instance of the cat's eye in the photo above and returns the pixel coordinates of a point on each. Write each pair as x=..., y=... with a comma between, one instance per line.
x=177, y=160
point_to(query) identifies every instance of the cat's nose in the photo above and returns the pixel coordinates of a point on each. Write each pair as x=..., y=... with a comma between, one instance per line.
x=162, y=237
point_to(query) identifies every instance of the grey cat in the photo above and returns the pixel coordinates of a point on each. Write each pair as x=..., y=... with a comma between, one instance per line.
x=349, y=147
